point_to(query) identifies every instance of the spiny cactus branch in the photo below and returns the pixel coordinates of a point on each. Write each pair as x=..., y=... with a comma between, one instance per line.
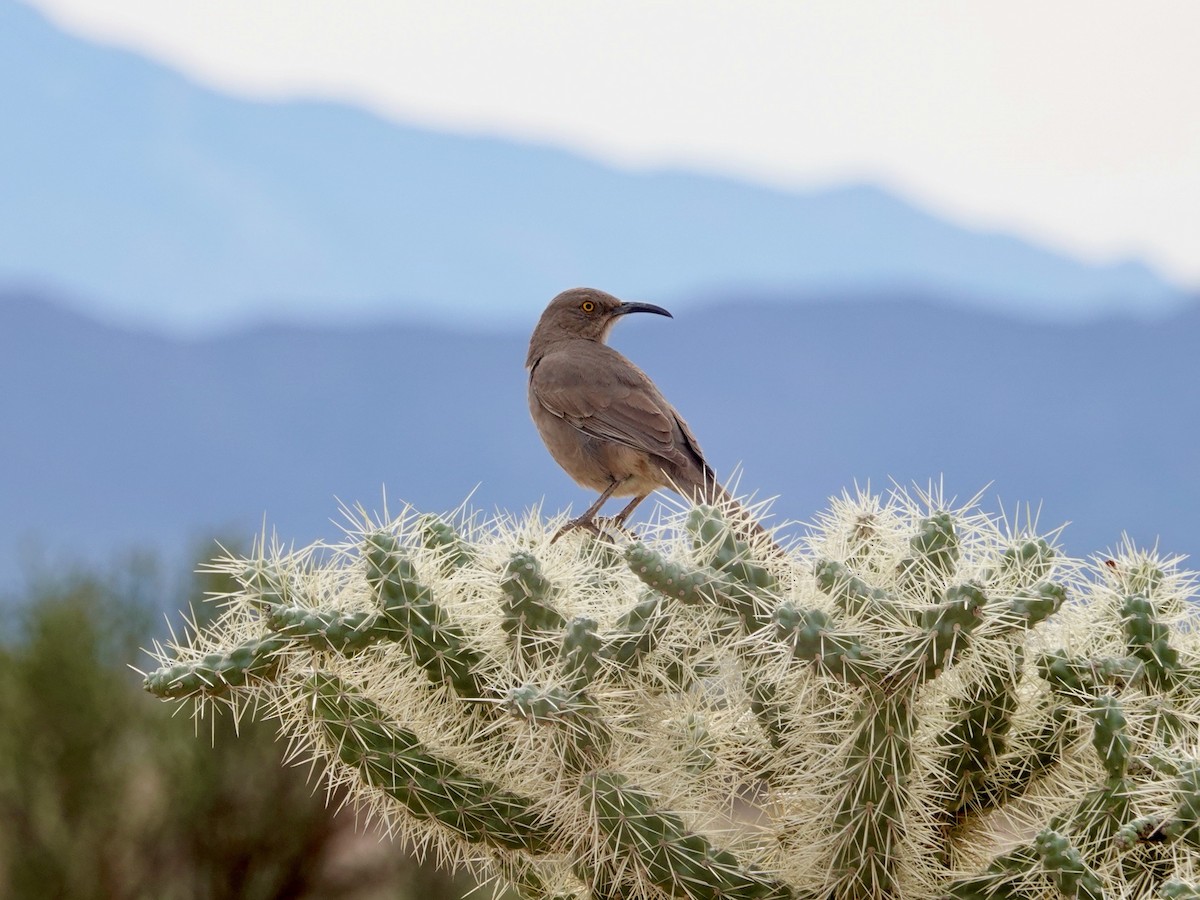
x=916, y=703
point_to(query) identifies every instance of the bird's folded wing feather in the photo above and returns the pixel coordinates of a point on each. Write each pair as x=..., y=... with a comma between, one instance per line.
x=610, y=402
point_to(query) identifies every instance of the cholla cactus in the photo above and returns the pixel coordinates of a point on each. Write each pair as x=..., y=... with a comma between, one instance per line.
x=917, y=703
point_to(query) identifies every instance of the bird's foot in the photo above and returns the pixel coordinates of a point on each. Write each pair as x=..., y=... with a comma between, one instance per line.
x=617, y=524
x=597, y=526
x=588, y=523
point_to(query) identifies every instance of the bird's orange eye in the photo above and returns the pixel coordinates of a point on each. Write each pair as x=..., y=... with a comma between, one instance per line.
x=587, y=306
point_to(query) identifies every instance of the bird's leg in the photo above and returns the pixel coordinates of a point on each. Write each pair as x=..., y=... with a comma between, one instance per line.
x=585, y=520
x=618, y=521
x=619, y=518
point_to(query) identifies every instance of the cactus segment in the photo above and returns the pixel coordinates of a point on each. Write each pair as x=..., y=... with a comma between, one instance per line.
x=947, y=628
x=637, y=632
x=1046, y=747
x=1033, y=605
x=1185, y=826
x=571, y=711
x=689, y=586
x=978, y=737
x=1000, y=881
x=216, y=673
x=1084, y=679
x=1027, y=562
x=345, y=633
x=749, y=584
x=393, y=760
x=439, y=536
x=680, y=862
x=854, y=596
x=1067, y=675
x=698, y=746
x=1149, y=641
x=265, y=587
x=1179, y=890
x=530, y=618
x=713, y=537
x=869, y=822
x=437, y=645
x=1109, y=737
x=833, y=653
x=581, y=653
x=935, y=552
x=1146, y=830
x=1142, y=576
x=1066, y=868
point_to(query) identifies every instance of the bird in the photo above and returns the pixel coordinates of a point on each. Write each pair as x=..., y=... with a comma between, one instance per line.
x=602, y=418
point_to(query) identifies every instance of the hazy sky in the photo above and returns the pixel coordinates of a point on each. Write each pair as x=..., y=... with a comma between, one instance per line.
x=1076, y=122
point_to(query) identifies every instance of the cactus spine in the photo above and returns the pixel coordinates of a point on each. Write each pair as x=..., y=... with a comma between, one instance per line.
x=916, y=703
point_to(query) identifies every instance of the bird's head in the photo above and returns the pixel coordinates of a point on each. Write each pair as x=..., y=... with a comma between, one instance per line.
x=584, y=313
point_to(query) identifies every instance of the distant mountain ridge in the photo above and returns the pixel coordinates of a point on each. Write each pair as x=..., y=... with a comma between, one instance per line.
x=114, y=439
x=170, y=205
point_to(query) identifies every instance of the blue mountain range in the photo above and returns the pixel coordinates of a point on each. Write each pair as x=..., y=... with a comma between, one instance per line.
x=161, y=203
x=114, y=439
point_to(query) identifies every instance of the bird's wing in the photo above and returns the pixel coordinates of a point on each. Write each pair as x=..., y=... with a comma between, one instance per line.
x=607, y=397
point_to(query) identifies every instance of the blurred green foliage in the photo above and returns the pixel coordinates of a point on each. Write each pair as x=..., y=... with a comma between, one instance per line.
x=105, y=793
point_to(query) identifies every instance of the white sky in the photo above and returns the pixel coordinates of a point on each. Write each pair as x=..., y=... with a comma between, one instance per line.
x=1076, y=122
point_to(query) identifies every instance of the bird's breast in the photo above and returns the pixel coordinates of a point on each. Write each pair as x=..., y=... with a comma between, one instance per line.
x=592, y=462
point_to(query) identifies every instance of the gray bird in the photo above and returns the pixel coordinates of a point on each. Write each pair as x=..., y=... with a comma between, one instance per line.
x=601, y=417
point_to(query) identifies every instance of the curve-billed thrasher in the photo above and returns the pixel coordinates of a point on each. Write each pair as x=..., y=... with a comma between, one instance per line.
x=601, y=417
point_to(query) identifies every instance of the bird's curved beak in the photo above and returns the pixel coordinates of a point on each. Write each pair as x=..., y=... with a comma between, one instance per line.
x=626, y=308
